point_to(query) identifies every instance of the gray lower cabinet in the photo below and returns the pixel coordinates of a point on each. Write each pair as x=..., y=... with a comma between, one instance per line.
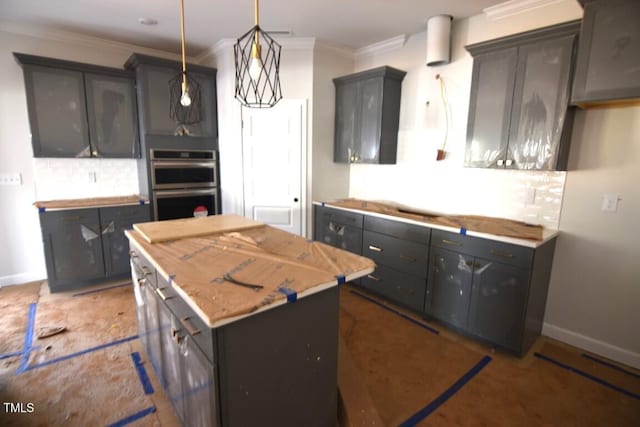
x=493, y=290
x=80, y=110
x=86, y=246
x=608, y=62
x=253, y=371
x=519, y=114
x=400, y=252
x=338, y=228
x=367, y=116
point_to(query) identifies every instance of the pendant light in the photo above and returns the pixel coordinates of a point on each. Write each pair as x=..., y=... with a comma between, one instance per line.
x=257, y=59
x=185, y=101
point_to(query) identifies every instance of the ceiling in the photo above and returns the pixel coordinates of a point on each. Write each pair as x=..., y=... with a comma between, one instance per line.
x=349, y=23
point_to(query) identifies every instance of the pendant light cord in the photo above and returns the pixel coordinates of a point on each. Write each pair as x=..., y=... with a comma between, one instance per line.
x=184, y=61
x=445, y=103
x=256, y=11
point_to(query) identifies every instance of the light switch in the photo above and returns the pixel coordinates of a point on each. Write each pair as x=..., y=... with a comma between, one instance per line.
x=610, y=203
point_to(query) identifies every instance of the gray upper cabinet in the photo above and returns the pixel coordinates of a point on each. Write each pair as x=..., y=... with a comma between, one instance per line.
x=608, y=63
x=112, y=115
x=153, y=76
x=79, y=110
x=367, y=116
x=519, y=114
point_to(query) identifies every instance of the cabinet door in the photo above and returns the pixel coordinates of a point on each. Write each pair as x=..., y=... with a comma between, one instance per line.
x=341, y=236
x=490, y=108
x=115, y=245
x=152, y=322
x=208, y=127
x=345, y=122
x=498, y=303
x=57, y=112
x=73, y=248
x=171, y=379
x=367, y=146
x=112, y=116
x=608, y=64
x=540, y=102
x=449, y=286
x=200, y=403
x=401, y=288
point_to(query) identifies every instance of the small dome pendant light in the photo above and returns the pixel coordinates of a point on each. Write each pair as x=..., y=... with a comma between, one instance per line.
x=257, y=59
x=185, y=100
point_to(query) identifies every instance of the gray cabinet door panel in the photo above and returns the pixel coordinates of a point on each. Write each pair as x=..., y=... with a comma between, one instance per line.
x=490, y=108
x=608, y=64
x=345, y=121
x=449, y=286
x=498, y=303
x=114, y=220
x=402, y=255
x=57, y=112
x=171, y=379
x=152, y=319
x=541, y=97
x=112, y=116
x=73, y=248
x=398, y=229
x=340, y=229
x=401, y=288
x=367, y=147
x=200, y=404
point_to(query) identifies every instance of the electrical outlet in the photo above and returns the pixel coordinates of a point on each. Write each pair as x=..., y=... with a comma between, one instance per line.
x=92, y=177
x=10, y=179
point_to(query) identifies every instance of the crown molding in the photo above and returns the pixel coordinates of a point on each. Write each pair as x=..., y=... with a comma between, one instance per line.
x=334, y=49
x=387, y=45
x=81, y=39
x=514, y=7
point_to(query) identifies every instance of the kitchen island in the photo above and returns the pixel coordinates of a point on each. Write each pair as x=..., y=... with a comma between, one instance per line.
x=240, y=320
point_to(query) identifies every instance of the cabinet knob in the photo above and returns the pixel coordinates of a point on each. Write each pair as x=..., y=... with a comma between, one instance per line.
x=500, y=162
x=94, y=153
x=508, y=162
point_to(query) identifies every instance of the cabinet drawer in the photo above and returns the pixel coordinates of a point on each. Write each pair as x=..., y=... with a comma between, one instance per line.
x=339, y=216
x=190, y=322
x=133, y=213
x=143, y=267
x=452, y=241
x=69, y=217
x=519, y=256
x=402, y=255
x=398, y=229
x=401, y=288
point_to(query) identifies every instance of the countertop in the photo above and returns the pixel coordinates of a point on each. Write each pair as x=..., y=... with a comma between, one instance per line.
x=389, y=211
x=287, y=266
x=93, y=202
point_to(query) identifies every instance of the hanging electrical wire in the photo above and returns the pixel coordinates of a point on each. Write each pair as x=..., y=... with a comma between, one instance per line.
x=445, y=104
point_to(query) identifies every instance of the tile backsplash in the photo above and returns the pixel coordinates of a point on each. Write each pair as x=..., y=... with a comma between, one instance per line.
x=83, y=178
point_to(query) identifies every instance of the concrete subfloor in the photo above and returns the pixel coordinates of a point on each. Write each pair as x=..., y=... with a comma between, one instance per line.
x=402, y=372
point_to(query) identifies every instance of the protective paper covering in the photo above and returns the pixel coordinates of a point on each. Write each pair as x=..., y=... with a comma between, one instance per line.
x=278, y=261
x=483, y=224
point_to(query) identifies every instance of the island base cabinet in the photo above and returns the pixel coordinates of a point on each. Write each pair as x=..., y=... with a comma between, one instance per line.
x=200, y=404
x=398, y=287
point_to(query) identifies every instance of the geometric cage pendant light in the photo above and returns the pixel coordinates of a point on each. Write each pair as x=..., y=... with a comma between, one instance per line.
x=185, y=102
x=257, y=60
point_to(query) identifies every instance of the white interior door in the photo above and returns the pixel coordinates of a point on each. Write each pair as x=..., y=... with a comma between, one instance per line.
x=273, y=167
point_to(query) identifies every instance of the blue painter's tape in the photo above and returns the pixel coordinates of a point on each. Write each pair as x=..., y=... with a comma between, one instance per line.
x=42, y=209
x=142, y=373
x=322, y=204
x=8, y=355
x=28, y=339
x=141, y=201
x=588, y=376
x=610, y=365
x=80, y=353
x=427, y=410
x=341, y=279
x=404, y=316
x=292, y=296
x=171, y=277
x=100, y=290
x=135, y=417
x=463, y=231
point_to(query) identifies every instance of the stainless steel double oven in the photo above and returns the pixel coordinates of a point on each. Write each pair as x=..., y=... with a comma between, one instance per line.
x=184, y=183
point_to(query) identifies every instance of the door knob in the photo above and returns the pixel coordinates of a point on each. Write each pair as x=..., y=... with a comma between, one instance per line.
x=295, y=199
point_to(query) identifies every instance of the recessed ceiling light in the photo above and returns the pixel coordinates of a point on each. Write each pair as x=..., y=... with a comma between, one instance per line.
x=148, y=21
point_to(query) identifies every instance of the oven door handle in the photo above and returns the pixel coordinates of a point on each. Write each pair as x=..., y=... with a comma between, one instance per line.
x=161, y=194
x=183, y=165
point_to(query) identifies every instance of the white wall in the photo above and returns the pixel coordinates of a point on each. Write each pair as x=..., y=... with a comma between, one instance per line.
x=22, y=256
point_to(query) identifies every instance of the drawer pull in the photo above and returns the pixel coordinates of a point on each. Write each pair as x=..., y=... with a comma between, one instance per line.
x=71, y=218
x=145, y=271
x=502, y=254
x=375, y=248
x=408, y=258
x=372, y=277
x=186, y=322
x=133, y=254
x=162, y=295
x=451, y=242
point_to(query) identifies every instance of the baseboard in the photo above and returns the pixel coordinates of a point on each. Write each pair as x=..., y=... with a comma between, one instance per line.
x=20, y=279
x=592, y=345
